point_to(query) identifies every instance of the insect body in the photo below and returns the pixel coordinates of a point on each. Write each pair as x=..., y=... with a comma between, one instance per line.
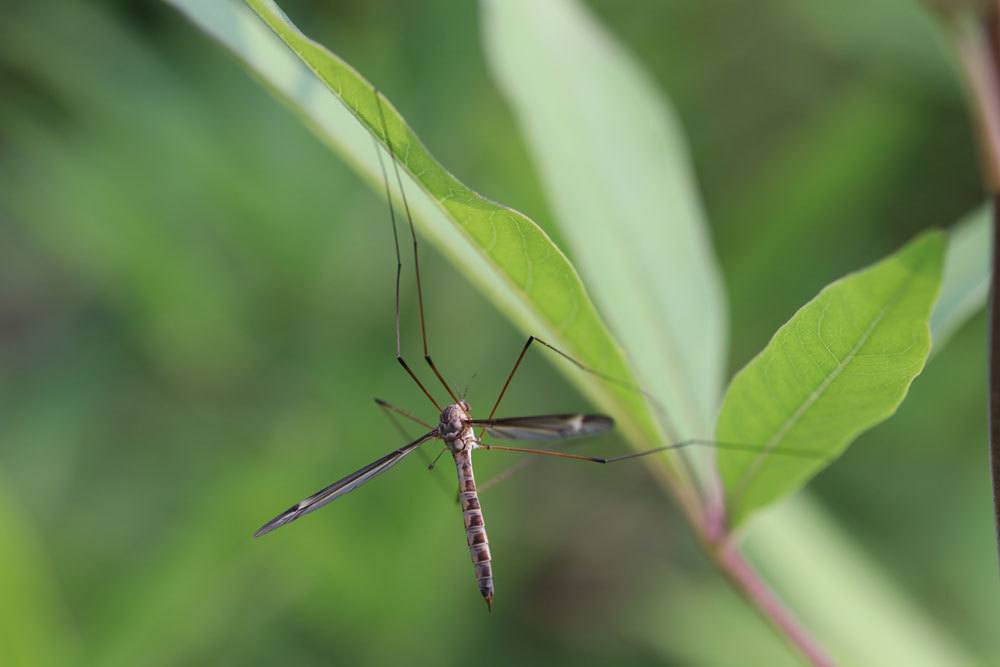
x=460, y=439
x=456, y=427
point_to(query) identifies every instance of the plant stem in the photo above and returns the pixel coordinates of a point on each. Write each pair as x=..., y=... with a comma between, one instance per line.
x=716, y=540
x=745, y=578
x=708, y=519
x=994, y=355
x=978, y=59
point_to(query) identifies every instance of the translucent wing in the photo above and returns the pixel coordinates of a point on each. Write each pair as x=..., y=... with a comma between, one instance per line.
x=342, y=486
x=545, y=427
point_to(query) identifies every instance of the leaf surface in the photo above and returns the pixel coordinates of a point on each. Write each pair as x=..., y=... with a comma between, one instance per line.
x=840, y=365
x=616, y=168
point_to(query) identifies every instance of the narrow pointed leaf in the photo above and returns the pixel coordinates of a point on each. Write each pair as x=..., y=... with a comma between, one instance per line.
x=503, y=252
x=616, y=169
x=842, y=364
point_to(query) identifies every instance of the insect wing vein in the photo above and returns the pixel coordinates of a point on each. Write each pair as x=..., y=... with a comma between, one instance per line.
x=343, y=486
x=546, y=427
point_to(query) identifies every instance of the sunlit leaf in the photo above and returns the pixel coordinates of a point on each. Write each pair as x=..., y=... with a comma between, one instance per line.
x=842, y=364
x=502, y=251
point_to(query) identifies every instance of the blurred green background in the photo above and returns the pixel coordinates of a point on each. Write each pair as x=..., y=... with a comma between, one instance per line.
x=196, y=311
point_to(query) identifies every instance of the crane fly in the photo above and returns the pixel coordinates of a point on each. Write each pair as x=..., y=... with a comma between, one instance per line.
x=456, y=427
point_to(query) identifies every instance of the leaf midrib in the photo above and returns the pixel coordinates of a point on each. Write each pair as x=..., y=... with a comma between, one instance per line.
x=818, y=392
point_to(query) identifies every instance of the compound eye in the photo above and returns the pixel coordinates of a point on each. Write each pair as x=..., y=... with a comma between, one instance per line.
x=465, y=406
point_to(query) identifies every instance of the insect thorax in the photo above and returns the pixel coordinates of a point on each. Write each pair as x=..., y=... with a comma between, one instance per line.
x=454, y=423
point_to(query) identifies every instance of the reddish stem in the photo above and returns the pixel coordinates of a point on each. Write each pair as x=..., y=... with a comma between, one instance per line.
x=709, y=523
x=975, y=52
x=748, y=582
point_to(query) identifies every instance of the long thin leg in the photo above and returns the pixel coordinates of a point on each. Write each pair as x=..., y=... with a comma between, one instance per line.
x=433, y=463
x=399, y=260
x=388, y=409
x=545, y=452
x=635, y=455
x=688, y=465
x=504, y=475
x=512, y=470
x=589, y=459
x=482, y=432
x=400, y=411
x=510, y=376
x=385, y=405
x=406, y=367
x=395, y=237
x=661, y=410
x=659, y=407
x=416, y=255
x=587, y=369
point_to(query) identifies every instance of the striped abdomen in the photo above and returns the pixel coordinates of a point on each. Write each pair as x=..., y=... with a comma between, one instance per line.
x=475, y=531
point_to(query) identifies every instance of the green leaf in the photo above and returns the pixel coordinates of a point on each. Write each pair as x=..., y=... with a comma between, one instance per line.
x=842, y=364
x=530, y=86
x=966, y=282
x=503, y=252
x=616, y=168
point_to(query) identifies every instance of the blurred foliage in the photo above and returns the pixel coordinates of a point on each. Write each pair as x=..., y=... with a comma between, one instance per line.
x=195, y=311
